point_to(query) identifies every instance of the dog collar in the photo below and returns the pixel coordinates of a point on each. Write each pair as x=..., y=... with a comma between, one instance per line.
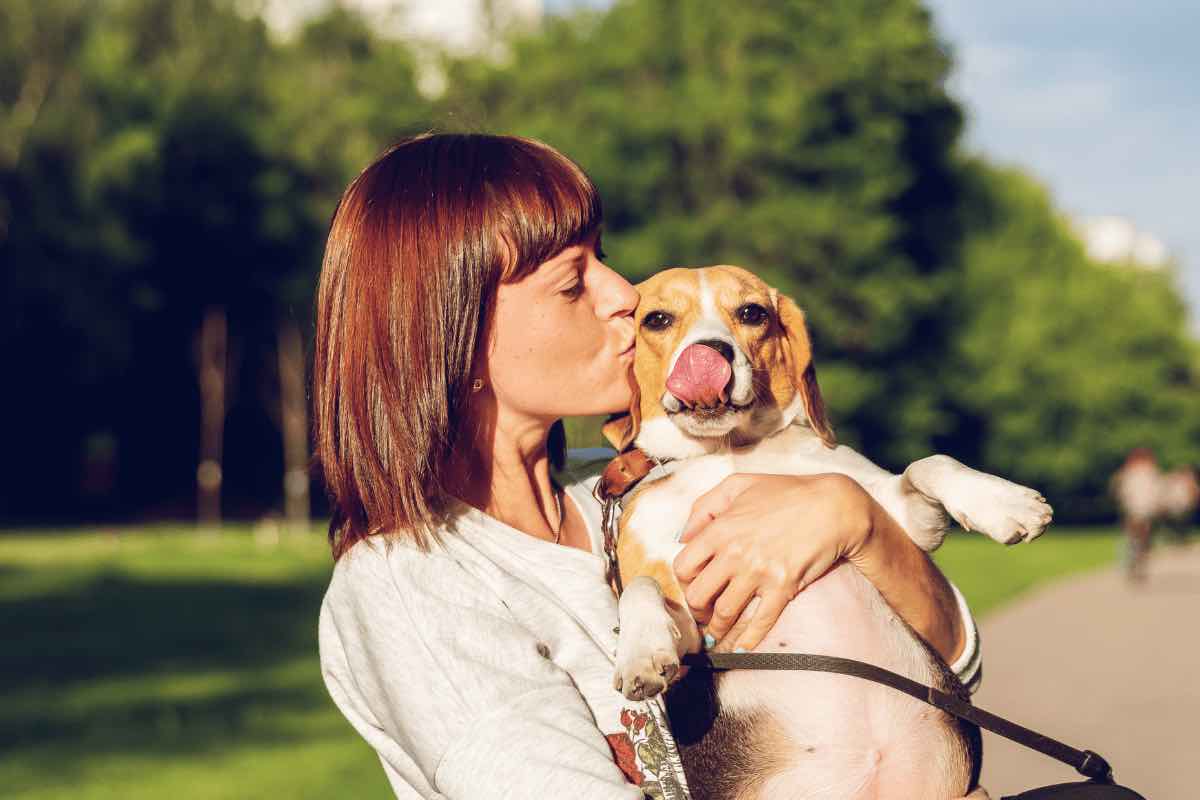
x=623, y=473
x=620, y=476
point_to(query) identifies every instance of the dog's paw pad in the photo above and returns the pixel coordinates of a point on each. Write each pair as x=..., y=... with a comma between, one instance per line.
x=643, y=677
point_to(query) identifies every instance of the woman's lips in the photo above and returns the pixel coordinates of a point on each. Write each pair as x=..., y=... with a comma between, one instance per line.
x=628, y=351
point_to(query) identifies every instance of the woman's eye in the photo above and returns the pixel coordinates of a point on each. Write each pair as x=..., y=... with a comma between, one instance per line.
x=657, y=320
x=574, y=290
x=752, y=314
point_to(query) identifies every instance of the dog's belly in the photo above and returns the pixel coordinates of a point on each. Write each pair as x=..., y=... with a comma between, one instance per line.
x=837, y=737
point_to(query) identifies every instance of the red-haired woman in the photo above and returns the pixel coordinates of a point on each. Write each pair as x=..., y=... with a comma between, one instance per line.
x=464, y=309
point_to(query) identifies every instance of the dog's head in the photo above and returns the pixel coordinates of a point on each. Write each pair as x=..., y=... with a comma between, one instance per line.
x=721, y=358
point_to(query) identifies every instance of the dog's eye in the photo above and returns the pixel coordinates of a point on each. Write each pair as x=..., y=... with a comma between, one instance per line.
x=752, y=314
x=657, y=320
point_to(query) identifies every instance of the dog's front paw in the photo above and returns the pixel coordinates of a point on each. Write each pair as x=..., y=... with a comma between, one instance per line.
x=647, y=660
x=644, y=677
x=1003, y=510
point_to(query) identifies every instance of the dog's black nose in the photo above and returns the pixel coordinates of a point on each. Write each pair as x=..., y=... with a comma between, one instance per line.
x=724, y=348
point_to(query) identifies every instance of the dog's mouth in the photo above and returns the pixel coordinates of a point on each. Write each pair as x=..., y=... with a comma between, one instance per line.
x=711, y=412
x=701, y=377
x=710, y=421
x=701, y=384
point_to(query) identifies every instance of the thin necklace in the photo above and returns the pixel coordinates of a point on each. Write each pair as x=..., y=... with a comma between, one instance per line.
x=558, y=505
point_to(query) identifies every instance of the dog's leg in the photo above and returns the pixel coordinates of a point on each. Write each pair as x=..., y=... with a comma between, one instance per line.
x=1003, y=510
x=655, y=633
x=656, y=625
x=923, y=518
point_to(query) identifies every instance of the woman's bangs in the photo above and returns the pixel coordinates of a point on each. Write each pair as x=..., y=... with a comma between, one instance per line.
x=551, y=205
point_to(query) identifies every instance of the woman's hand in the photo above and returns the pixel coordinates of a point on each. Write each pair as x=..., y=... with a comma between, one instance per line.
x=770, y=536
x=773, y=535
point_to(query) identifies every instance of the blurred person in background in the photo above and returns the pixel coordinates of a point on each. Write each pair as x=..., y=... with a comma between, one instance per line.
x=1147, y=496
x=467, y=633
x=1180, y=498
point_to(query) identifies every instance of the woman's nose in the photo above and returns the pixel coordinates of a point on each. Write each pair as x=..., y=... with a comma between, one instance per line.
x=619, y=296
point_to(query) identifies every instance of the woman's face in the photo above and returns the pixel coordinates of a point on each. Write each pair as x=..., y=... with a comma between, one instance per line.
x=561, y=338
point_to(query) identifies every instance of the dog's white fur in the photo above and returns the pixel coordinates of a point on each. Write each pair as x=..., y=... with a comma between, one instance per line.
x=758, y=437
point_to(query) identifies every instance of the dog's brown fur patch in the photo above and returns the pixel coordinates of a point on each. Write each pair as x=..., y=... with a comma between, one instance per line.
x=633, y=561
x=725, y=756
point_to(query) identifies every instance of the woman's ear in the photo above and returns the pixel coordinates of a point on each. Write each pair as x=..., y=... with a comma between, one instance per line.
x=804, y=372
x=621, y=429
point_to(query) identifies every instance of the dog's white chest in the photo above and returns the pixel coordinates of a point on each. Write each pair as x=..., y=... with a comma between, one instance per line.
x=662, y=507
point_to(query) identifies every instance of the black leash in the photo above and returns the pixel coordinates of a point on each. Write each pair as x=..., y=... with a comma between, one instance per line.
x=1089, y=764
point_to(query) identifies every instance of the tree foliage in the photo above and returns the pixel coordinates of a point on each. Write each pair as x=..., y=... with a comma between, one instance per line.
x=180, y=158
x=1063, y=364
x=811, y=142
x=158, y=157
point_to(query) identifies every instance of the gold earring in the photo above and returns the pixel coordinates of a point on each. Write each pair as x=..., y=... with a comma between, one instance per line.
x=477, y=385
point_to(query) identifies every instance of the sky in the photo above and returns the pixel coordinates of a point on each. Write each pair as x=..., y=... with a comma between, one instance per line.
x=1100, y=100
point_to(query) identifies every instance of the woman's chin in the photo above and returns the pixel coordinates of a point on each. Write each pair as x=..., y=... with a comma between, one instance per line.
x=596, y=407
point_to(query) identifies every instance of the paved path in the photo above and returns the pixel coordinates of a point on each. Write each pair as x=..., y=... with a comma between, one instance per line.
x=1102, y=666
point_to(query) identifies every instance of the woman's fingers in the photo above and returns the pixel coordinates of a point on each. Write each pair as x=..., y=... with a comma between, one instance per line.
x=729, y=606
x=712, y=504
x=701, y=593
x=770, y=605
x=692, y=559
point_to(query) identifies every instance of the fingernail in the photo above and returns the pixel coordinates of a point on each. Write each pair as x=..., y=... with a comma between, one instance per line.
x=709, y=641
x=740, y=650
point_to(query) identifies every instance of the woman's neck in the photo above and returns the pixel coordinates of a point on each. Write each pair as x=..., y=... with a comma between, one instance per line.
x=505, y=473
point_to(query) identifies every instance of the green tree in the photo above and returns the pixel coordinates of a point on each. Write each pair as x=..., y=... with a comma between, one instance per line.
x=177, y=157
x=811, y=142
x=1063, y=364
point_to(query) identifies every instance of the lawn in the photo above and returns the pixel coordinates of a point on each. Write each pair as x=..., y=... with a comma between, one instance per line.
x=167, y=663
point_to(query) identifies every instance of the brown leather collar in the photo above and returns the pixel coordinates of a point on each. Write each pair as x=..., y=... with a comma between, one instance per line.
x=623, y=473
x=620, y=475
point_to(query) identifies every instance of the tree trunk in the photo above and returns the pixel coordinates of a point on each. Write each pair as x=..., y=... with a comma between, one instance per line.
x=212, y=368
x=294, y=425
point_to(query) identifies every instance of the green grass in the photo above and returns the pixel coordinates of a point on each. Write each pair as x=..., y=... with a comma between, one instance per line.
x=167, y=664
x=991, y=574
x=163, y=663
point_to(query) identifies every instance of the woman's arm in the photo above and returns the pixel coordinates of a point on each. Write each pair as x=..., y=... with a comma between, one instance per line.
x=910, y=582
x=745, y=538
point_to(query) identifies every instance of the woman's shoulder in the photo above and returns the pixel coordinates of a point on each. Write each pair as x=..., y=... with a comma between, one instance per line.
x=394, y=566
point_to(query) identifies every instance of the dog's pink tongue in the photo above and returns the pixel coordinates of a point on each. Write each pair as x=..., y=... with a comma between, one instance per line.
x=700, y=376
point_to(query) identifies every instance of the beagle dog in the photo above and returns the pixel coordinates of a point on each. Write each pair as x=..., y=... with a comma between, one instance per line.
x=726, y=383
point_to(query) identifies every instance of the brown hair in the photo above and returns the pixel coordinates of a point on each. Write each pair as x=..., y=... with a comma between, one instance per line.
x=417, y=246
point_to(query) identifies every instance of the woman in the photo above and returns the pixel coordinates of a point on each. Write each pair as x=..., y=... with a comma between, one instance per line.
x=463, y=309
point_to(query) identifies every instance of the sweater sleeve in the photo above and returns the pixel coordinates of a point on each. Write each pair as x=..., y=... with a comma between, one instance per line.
x=456, y=697
x=969, y=665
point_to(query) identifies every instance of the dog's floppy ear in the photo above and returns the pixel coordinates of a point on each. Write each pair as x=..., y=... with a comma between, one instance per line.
x=804, y=372
x=621, y=429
